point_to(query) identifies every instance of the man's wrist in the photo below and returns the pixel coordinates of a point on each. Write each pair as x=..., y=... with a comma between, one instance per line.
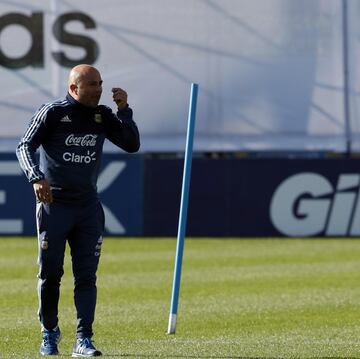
x=120, y=109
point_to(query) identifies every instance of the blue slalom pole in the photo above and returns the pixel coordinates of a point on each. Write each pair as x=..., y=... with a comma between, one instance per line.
x=183, y=209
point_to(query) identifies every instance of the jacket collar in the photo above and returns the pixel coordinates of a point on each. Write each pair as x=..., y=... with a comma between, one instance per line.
x=76, y=103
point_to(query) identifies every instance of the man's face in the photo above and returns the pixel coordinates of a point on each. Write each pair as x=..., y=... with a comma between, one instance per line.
x=89, y=88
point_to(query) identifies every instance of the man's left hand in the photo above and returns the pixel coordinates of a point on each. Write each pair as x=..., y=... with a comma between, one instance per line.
x=120, y=97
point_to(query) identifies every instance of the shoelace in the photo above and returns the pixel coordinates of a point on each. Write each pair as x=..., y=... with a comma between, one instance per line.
x=49, y=339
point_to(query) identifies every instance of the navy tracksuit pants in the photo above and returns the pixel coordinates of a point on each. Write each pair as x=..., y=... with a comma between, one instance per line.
x=82, y=227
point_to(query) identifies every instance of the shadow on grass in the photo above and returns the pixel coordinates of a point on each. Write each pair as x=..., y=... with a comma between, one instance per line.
x=194, y=356
x=211, y=357
x=197, y=356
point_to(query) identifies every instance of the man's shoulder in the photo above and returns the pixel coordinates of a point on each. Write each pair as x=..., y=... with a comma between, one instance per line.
x=105, y=112
x=54, y=106
x=104, y=109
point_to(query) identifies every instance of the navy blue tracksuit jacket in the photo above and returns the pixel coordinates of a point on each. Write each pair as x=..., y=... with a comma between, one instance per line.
x=72, y=137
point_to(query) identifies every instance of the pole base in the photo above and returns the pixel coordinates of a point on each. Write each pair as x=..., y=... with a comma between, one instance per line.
x=172, y=324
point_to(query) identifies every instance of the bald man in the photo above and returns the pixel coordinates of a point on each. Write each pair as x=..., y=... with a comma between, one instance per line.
x=70, y=134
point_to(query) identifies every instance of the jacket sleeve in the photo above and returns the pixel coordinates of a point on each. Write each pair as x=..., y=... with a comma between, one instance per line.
x=29, y=143
x=122, y=130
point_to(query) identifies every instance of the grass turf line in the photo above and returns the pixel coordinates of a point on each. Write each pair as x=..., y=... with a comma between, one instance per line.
x=256, y=298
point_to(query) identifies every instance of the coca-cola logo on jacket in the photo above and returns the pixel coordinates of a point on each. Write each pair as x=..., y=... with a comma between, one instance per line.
x=87, y=140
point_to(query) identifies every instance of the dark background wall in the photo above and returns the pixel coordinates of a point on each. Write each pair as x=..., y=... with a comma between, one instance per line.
x=228, y=197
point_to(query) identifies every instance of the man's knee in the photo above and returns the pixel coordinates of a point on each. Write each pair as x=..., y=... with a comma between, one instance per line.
x=85, y=280
x=50, y=273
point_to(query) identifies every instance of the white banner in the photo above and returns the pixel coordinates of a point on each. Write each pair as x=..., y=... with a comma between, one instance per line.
x=270, y=72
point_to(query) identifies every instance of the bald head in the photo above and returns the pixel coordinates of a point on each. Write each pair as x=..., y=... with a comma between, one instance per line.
x=85, y=85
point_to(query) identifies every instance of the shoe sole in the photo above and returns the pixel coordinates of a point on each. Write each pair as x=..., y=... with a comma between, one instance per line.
x=78, y=355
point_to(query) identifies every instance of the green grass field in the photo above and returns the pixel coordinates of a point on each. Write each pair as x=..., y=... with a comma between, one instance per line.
x=258, y=298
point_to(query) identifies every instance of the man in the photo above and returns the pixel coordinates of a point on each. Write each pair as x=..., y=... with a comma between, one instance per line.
x=71, y=134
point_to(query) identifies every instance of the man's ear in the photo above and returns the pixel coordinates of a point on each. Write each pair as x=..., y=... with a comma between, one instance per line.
x=73, y=88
